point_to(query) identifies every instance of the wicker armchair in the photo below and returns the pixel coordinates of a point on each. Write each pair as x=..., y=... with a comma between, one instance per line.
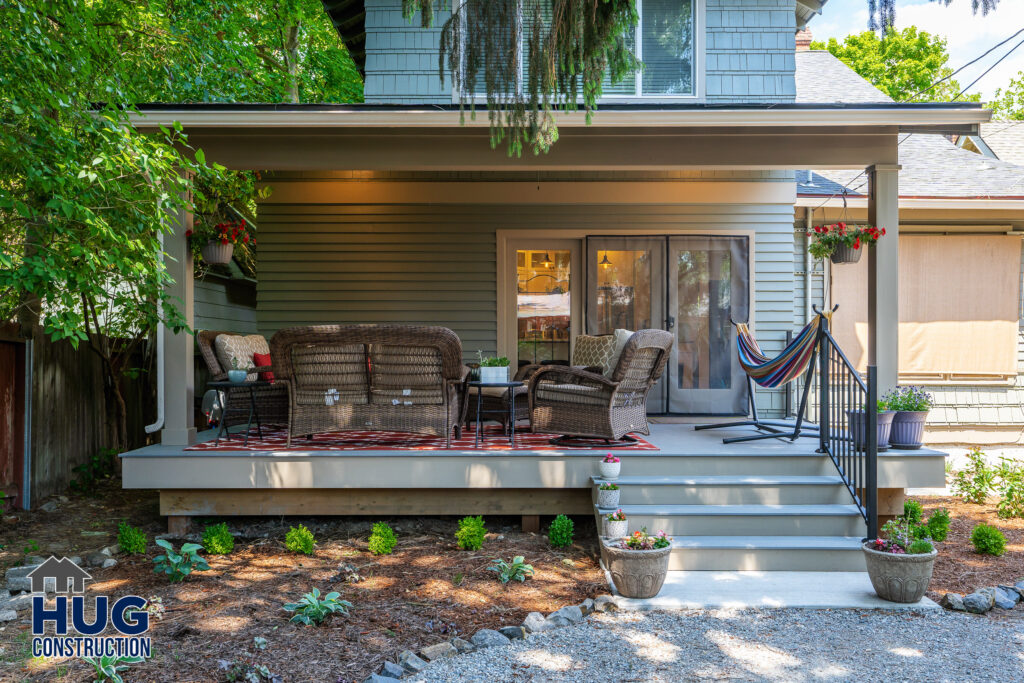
x=577, y=402
x=401, y=378
x=271, y=401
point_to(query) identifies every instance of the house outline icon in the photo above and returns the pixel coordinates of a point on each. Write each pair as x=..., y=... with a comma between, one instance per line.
x=64, y=572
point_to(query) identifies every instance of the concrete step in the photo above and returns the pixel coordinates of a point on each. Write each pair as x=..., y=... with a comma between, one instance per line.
x=753, y=520
x=730, y=490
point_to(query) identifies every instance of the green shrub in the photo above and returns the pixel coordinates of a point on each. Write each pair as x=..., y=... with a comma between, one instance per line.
x=974, y=482
x=560, y=532
x=470, y=535
x=1010, y=488
x=131, y=540
x=988, y=540
x=300, y=540
x=178, y=566
x=912, y=511
x=938, y=525
x=382, y=539
x=920, y=547
x=311, y=610
x=217, y=540
x=517, y=570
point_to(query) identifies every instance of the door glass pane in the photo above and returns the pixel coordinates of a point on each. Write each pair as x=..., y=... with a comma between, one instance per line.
x=623, y=290
x=667, y=45
x=542, y=304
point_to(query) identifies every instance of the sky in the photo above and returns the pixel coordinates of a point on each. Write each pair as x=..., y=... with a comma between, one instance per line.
x=968, y=35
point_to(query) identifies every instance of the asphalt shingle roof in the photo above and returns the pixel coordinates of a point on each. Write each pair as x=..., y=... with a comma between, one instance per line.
x=821, y=77
x=1005, y=139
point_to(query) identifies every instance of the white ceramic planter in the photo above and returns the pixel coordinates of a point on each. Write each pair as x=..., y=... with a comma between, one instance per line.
x=608, y=498
x=610, y=470
x=494, y=375
x=216, y=254
x=618, y=529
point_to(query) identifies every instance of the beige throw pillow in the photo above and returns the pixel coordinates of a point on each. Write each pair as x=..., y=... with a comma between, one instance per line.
x=594, y=352
x=238, y=347
x=621, y=336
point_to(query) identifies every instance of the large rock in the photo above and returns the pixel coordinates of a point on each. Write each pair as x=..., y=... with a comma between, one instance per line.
x=535, y=623
x=391, y=670
x=571, y=612
x=513, y=632
x=605, y=603
x=487, y=637
x=462, y=646
x=1002, y=598
x=8, y=615
x=18, y=603
x=439, y=651
x=377, y=678
x=17, y=578
x=96, y=559
x=1011, y=592
x=1020, y=587
x=978, y=603
x=587, y=607
x=408, y=660
x=953, y=601
x=108, y=563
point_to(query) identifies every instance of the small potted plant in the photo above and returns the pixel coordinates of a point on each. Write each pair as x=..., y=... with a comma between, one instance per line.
x=607, y=495
x=215, y=244
x=610, y=467
x=841, y=242
x=911, y=405
x=900, y=564
x=237, y=373
x=493, y=370
x=615, y=524
x=638, y=563
x=858, y=425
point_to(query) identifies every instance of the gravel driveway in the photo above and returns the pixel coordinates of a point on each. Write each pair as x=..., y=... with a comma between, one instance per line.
x=756, y=645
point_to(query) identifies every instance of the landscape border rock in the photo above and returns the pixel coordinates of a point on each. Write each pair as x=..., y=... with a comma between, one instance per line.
x=986, y=598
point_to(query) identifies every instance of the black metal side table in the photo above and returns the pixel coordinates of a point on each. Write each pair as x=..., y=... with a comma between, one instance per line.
x=510, y=388
x=224, y=389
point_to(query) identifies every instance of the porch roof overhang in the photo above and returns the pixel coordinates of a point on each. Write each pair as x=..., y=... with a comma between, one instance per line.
x=623, y=137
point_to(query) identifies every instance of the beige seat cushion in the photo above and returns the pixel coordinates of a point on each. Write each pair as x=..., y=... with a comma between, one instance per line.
x=594, y=352
x=572, y=393
x=240, y=348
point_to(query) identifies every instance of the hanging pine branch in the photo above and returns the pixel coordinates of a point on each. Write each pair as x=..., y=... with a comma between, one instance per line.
x=569, y=48
x=882, y=13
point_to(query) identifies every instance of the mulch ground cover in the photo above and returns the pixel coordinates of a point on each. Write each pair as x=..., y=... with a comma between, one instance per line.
x=425, y=592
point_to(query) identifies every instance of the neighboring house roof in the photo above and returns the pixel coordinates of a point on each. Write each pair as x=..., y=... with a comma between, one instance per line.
x=1003, y=140
x=932, y=166
x=821, y=77
x=806, y=9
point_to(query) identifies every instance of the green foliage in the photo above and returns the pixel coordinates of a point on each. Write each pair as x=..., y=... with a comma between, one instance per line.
x=31, y=547
x=99, y=466
x=517, y=570
x=1008, y=103
x=108, y=668
x=470, y=534
x=1010, y=488
x=382, y=539
x=974, y=482
x=900, y=63
x=249, y=673
x=560, y=532
x=912, y=511
x=131, y=540
x=938, y=525
x=311, y=610
x=300, y=540
x=988, y=540
x=921, y=546
x=608, y=486
x=500, y=362
x=178, y=566
x=217, y=540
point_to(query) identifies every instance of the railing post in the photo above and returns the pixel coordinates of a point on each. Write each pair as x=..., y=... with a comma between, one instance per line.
x=870, y=490
x=823, y=379
x=788, y=392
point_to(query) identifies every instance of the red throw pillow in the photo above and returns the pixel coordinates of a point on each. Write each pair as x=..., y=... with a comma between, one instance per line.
x=261, y=359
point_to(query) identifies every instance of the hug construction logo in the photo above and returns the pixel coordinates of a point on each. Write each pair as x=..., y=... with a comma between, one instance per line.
x=84, y=638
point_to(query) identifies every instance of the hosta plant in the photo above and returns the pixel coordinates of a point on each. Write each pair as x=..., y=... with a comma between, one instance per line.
x=177, y=566
x=311, y=610
x=517, y=570
x=108, y=668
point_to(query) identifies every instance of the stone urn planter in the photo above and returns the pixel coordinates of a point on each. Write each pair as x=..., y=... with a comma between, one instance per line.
x=610, y=470
x=858, y=424
x=636, y=573
x=216, y=253
x=908, y=429
x=899, y=578
x=608, y=497
x=845, y=254
x=616, y=528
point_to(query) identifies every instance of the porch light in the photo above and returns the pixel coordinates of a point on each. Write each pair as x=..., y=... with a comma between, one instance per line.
x=604, y=261
x=547, y=260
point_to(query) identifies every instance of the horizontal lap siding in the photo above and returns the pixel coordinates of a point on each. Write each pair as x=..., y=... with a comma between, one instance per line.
x=225, y=305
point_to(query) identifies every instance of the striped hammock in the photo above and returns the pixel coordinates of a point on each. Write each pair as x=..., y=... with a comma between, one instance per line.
x=787, y=366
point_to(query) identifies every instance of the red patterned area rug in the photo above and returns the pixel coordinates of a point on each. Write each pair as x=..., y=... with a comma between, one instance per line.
x=275, y=439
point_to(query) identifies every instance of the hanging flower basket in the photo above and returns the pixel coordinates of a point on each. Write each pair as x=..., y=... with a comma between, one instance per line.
x=215, y=253
x=846, y=254
x=841, y=243
x=215, y=244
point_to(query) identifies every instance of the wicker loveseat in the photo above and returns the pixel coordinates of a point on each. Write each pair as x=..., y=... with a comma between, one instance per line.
x=271, y=401
x=401, y=378
x=577, y=402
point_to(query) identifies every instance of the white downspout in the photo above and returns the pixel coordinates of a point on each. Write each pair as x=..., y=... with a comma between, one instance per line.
x=808, y=265
x=159, y=423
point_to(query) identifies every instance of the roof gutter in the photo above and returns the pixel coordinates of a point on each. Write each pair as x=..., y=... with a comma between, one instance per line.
x=952, y=203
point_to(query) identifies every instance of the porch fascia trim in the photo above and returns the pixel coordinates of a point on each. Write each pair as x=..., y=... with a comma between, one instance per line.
x=816, y=202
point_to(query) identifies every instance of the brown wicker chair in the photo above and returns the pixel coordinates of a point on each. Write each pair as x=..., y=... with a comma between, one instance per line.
x=401, y=378
x=577, y=402
x=271, y=401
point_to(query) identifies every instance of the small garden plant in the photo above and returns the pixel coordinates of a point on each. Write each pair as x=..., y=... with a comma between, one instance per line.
x=517, y=570
x=1010, y=488
x=499, y=362
x=912, y=511
x=608, y=486
x=908, y=399
x=988, y=540
x=560, y=532
x=312, y=611
x=131, y=540
x=974, y=482
x=641, y=540
x=382, y=539
x=610, y=458
x=900, y=538
x=617, y=516
x=938, y=525
x=471, y=532
x=178, y=566
x=108, y=668
x=217, y=540
x=300, y=540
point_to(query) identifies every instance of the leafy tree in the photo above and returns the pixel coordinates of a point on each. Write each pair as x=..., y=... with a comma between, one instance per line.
x=1008, y=104
x=882, y=13
x=900, y=63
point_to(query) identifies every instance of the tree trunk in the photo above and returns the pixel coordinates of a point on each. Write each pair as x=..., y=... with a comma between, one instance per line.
x=291, y=60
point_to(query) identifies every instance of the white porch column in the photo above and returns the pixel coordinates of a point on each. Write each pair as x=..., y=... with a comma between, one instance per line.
x=179, y=380
x=883, y=275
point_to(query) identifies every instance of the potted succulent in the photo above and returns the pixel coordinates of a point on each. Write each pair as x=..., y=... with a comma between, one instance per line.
x=900, y=565
x=911, y=405
x=237, y=373
x=610, y=467
x=615, y=524
x=493, y=370
x=841, y=242
x=858, y=424
x=638, y=563
x=607, y=495
x=215, y=244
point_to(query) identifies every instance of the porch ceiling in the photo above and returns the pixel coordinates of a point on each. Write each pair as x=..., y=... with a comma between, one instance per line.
x=647, y=138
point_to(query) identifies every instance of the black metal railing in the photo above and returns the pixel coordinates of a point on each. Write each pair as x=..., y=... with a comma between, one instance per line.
x=848, y=424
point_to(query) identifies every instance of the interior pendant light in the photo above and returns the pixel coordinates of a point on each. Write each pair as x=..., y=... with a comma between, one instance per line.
x=547, y=260
x=604, y=263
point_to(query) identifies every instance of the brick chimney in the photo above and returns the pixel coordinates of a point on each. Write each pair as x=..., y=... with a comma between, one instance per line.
x=803, y=39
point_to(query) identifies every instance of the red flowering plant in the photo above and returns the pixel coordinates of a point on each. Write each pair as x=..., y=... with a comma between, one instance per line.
x=225, y=232
x=826, y=238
